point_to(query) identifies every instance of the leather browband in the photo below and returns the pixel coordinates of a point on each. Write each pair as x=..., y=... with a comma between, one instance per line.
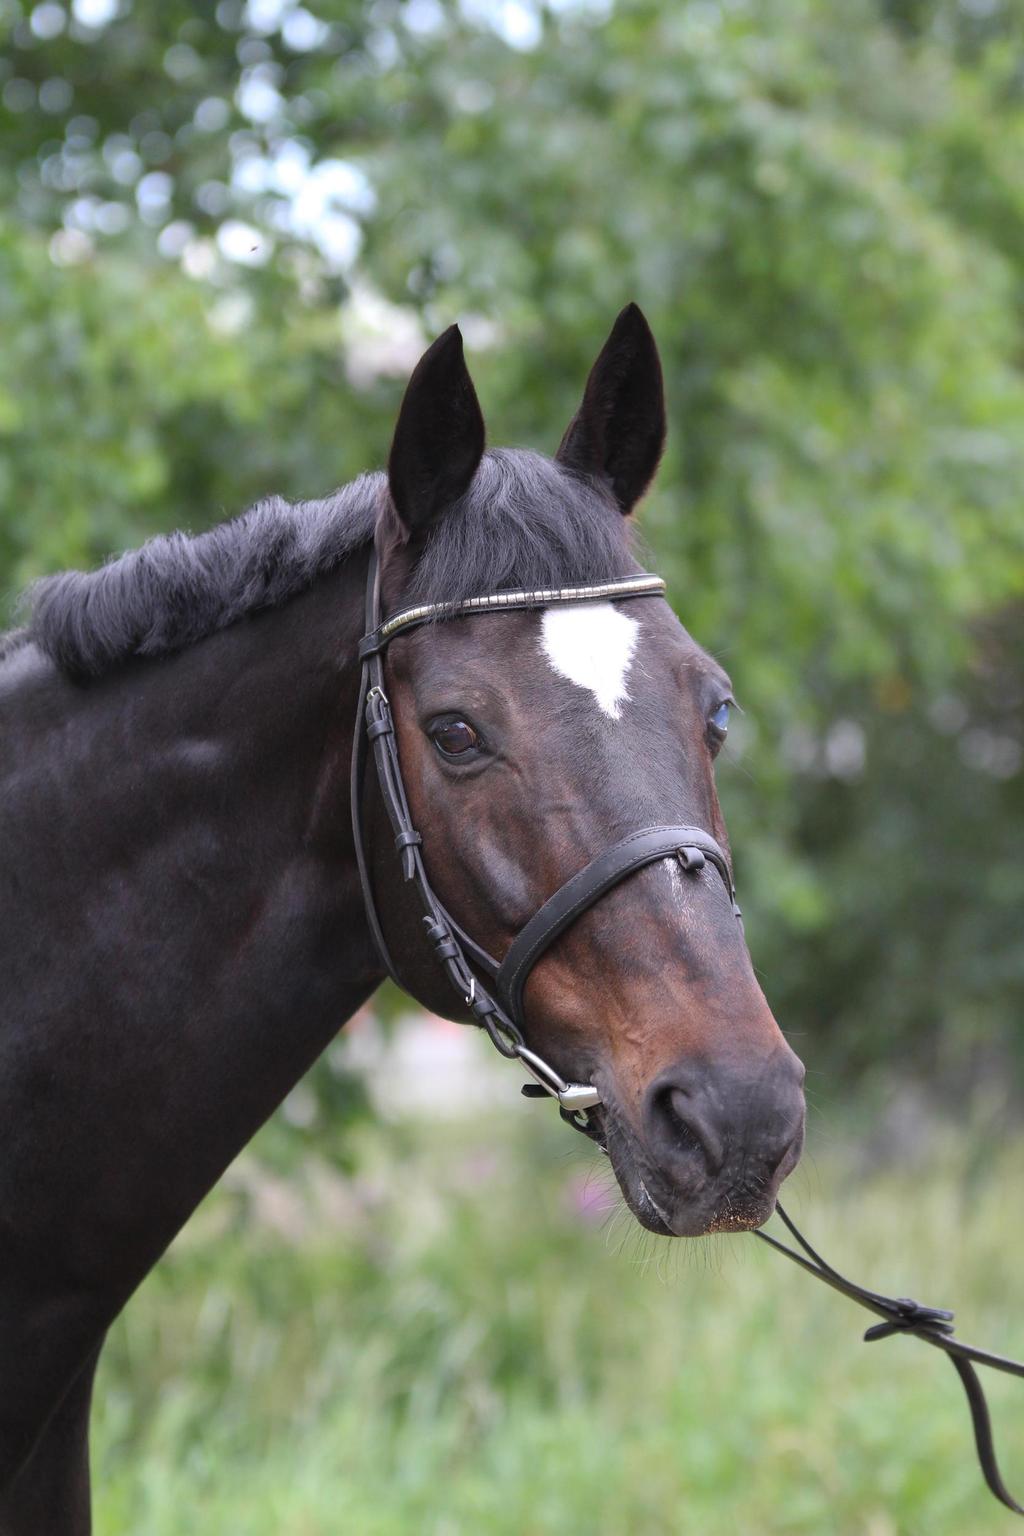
x=644, y=585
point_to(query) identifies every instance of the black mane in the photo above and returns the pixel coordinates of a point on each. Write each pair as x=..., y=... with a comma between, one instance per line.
x=525, y=522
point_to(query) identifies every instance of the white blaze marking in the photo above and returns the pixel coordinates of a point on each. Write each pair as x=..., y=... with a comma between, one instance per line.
x=592, y=644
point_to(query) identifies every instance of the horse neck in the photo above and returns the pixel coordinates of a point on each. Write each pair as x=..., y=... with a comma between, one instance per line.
x=187, y=933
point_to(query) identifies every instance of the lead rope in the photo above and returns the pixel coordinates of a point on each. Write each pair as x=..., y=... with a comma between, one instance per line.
x=932, y=1324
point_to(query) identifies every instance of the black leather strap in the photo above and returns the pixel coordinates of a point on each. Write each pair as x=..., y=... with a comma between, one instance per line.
x=932, y=1324
x=691, y=845
x=374, y=725
x=356, y=780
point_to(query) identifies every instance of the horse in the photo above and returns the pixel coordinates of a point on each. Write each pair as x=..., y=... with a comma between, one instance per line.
x=184, y=924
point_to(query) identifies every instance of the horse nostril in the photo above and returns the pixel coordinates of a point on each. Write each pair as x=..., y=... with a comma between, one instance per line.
x=697, y=1116
x=685, y=1137
x=676, y=1125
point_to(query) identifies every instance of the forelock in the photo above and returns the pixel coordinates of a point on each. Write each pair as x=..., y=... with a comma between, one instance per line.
x=525, y=522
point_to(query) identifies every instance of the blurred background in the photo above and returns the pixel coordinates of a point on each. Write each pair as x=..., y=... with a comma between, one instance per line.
x=226, y=232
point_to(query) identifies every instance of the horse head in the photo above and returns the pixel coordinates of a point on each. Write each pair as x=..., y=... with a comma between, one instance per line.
x=533, y=739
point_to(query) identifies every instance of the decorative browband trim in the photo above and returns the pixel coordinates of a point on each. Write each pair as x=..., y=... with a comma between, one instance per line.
x=407, y=618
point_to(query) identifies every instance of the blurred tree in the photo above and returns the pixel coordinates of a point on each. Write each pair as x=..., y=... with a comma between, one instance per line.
x=229, y=226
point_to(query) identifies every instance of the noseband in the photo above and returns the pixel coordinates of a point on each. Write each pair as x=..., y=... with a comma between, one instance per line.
x=497, y=1005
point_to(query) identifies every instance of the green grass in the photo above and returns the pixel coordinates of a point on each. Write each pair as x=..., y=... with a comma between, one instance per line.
x=446, y=1344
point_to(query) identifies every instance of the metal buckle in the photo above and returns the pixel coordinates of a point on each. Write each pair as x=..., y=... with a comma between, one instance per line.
x=576, y=1096
x=571, y=1096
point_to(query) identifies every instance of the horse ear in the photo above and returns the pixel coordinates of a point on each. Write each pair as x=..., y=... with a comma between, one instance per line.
x=439, y=437
x=619, y=430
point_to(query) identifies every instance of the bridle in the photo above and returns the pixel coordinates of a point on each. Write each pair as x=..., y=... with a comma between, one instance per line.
x=497, y=1002
x=500, y=1011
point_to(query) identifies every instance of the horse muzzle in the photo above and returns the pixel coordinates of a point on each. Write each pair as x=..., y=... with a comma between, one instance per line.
x=713, y=1145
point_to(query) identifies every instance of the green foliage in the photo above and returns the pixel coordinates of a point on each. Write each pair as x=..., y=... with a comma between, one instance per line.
x=819, y=205
x=453, y=1344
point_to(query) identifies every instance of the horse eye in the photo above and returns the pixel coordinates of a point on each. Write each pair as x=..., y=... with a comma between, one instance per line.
x=719, y=721
x=454, y=738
